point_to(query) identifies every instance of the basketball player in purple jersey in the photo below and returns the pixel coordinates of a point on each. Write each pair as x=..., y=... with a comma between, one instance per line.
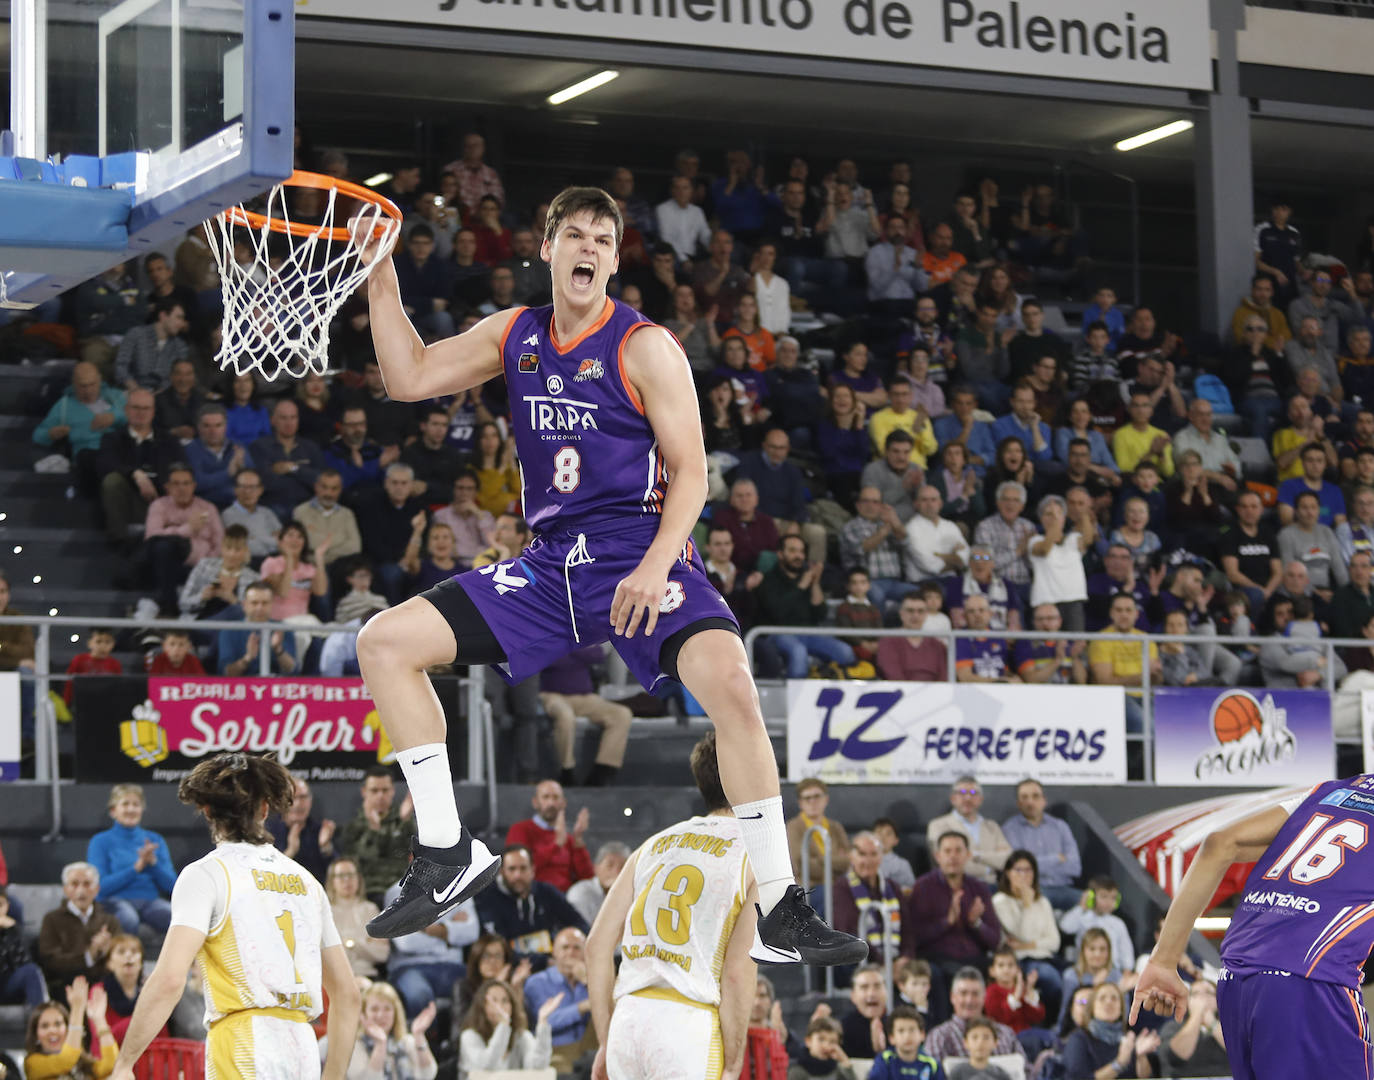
x=606, y=426
x=1289, y=994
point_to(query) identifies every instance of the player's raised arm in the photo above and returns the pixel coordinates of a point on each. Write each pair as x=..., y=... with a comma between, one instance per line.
x=602, y=942
x=414, y=371
x=158, y=997
x=738, y=985
x=1160, y=989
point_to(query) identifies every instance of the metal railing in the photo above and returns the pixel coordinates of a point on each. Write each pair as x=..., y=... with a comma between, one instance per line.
x=827, y=890
x=480, y=732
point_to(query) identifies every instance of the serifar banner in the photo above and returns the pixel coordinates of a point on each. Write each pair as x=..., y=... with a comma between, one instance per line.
x=1243, y=737
x=1160, y=43
x=899, y=732
x=157, y=729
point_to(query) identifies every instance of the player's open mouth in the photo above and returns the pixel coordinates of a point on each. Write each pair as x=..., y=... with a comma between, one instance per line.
x=584, y=273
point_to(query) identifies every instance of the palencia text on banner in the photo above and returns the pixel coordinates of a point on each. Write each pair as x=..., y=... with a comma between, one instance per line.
x=901, y=732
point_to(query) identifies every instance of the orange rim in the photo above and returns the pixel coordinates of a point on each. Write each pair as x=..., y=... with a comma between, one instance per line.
x=237, y=215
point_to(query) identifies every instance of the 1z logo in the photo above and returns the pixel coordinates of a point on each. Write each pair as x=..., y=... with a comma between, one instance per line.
x=853, y=746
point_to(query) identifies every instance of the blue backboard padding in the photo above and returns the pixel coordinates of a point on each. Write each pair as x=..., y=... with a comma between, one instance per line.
x=38, y=215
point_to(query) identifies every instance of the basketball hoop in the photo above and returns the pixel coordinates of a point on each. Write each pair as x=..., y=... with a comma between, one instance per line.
x=284, y=278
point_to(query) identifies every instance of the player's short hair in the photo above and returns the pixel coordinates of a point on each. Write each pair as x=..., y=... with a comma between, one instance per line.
x=120, y=790
x=907, y=1012
x=576, y=200
x=823, y=1024
x=706, y=773
x=230, y=790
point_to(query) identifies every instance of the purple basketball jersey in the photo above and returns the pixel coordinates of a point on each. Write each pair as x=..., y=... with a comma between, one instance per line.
x=1308, y=906
x=587, y=452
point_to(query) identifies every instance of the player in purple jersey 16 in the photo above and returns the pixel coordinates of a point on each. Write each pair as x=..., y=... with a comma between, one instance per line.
x=614, y=479
x=1289, y=997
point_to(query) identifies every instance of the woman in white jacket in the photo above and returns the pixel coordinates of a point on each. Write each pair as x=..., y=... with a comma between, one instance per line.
x=496, y=1034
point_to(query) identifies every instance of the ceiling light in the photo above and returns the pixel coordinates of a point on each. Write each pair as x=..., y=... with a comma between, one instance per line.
x=1135, y=142
x=577, y=89
x=37, y=579
x=52, y=611
x=3, y=516
x=18, y=549
x=380, y=178
x=75, y=638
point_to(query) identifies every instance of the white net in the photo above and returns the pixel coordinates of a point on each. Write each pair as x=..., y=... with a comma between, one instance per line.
x=284, y=280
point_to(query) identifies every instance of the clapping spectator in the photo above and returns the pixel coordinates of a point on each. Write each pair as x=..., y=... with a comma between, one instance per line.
x=874, y=540
x=54, y=1038
x=133, y=864
x=385, y=1048
x=960, y=489
x=950, y=911
x=1140, y=440
x=496, y=1034
x=378, y=836
x=299, y=835
x=790, y=594
x=1102, y=1043
x=74, y=939
x=1007, y=534
x=558, y=853
x=1013, y=999
x=863, y=1033
x=296, y=574
x=1304, y=428
x=239, y=650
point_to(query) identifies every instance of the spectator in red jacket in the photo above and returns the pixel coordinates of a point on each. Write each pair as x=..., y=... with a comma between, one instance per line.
x=176, y=657
x=560, y=856
x=1012, y=997
x=100, y=643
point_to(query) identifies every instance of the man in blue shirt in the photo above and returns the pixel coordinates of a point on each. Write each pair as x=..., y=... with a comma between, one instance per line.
x=1313, y=479
x=1047, y=838
x=958, y=425
x=782, y=490
x=567, y=975
x=426, y=284
x=239, y=649
x=1025, y=424
x=214, y=459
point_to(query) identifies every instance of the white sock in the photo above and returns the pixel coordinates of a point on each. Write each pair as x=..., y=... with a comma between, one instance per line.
x=431, y=789
x=765, y=839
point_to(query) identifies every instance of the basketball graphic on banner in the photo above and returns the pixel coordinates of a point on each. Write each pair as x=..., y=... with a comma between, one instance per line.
x=1235, y=715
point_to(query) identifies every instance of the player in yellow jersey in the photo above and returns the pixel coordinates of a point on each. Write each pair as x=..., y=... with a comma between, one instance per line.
x=682, y=910
x=260, y=928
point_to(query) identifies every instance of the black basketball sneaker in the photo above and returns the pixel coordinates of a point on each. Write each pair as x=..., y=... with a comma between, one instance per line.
x=792, y=933
x=436, y=882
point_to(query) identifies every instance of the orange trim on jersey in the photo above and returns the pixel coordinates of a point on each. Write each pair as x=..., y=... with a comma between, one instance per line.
x=1345, y=930
x=601, y=321
x=505, y=334
x=630, y=391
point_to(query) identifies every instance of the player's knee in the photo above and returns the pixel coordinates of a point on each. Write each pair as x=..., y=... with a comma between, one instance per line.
x=382, y=643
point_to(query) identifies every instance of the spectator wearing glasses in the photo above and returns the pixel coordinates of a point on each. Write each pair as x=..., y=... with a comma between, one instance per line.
x=1259, y=307
x=813, y=797
x=1049, y=840
x=988, y=847
x=262, y=525
x=917, y=658
x=1257, y=377
x=981, y=579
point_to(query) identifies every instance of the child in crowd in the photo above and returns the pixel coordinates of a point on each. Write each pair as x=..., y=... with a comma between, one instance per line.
x=1096, y=909
x=937, y=622
x=360, y=599
x=96, y=660
x=218, y=582
x=824, y=1057
x=857, y=610
x=1239, y=624
x=980, y=1039
x=905, y=1059
x=1103, y=309
x=914, y=991
x=1095, y=362
x=893, y=867
x=1012, y=997
x=175, y=657
x=1182, y=662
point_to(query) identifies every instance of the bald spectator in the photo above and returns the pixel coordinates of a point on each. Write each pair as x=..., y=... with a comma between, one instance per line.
x=752, y=531
x=1220, y=464
x=79, y=419
x=988, y=848
x=261, y=524
x=475, y=177
x=558, y=853
x=75, y=937
x=325, y=517
x=132, y=461
x=288, y=464
x=181, y=530
x=565, y=978
x=1304, y=427
x=589, y=894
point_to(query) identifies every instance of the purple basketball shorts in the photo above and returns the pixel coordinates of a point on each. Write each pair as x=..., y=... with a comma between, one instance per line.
x=1279, y=1025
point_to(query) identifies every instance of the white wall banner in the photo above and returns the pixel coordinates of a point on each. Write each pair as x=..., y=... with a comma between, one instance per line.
x=1367, y=724
x=1155, y=43
x=9, y=725
x=901, y=732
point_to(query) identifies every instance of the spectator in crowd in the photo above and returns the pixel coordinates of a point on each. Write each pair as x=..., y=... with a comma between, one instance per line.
x=771, y=290
x=1295, y=658
x=961, y=492
x=215, y=460
x=489, y=957
x=1196, y=1045
x=681, y=222
x=1013, y=998
x=134, y=866
x=475, y=177
x=895, y=475
x=940, y=260
x=559, y=854
x=54, y=1039
x=181, y=530
x=894, y=270
x=1332, y=312
x=426, y=963
x=1093, y=966
x=438, y=563
x=1357, y=364
x=496, y=1035
x=493, y=462
x=436, y=464
x=1361, y=438
x=867, y=904
x=378, y=837
x=1096, y=909
x=247, y=419
x=1183, y=663
x=874, y=539
x=1257, y=377
x=1080, y=429
x=1304, y=428
x=961, y=425
x=79, y=419
x=782, y=491
x=360, y=599
x=1357, y=532
x=1168, y=407
x=1049, y=840
x=329, y=524
x=1140, y=440
x=967, y=996
x=1049, y=660
x=982, y=659
x=813, y=797
x=96, y=660
x=1145, y=337
x=1330, y=501
x=567, y=691
x=260, y=525
x=854, y=372
x=1056, y=559
x=917, y=658
x=385, y=1047
x=760, y=347
x=588, y=894
x=981, y=579
x=863, y=1033
x=510, y=537
x=1259, y=306
x=351, y=911
x=1095, y=361
x=1008, y=535
x=1313, y=544
x=694, y=327
x=1194, y=511
x=1099, y=487
x=299, y=835
x=823, y=1057
x=239, y=650
x=926, y=392
x=1118, y=663
x=526, y=912
x=1309, y=349
x=130, y=462
x=986, y=848
x=1134, y=532
x=565, y=982
x=794, y=393
x=1045, y=381
x=1278, y=246
x=892, y=866
x=177, y=404
x=1295, y=583
x=981, y=354
x=104, y=309
x=531, y=273
x=175, y=657
x=1102, y=1044
x=289, y=464
x=74, y=939
x=393, y=522
x=899, y=413
x=1024, y=424
x=358, y=459
x=296, y=575
x=1118, y=575
x=934, y=545
x=1352, y=606
x=1033, y=343
x=1220, y=464
x=146, y=353
x=1027, y=920
x=1250, y=552
x=21, y=980
x=790, y=594
x=728, y=579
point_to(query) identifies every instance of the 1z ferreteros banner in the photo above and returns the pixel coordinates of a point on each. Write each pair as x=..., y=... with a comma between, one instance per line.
x=157, y=729
x=1243, y=737
x=10, y=721
x=1156, y=43
x=902, y=732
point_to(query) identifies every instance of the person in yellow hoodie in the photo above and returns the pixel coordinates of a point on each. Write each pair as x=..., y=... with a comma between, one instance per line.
x=52, y=1044
x=900, y=414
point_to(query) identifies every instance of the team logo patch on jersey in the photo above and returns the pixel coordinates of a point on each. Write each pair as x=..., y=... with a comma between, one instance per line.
x=501, y=577
x=672, y=599
x=555, y=384
x=589, y=369
x=533, y=339
x=529, y=363
x=1350, y=800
